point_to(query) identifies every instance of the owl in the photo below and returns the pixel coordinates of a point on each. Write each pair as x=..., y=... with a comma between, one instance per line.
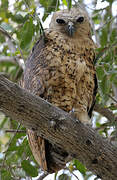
x=60, y=69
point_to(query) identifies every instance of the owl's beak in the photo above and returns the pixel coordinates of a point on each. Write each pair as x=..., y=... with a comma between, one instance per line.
x=70, y=28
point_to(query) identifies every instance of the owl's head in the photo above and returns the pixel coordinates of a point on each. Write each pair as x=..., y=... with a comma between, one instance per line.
x=72, y=23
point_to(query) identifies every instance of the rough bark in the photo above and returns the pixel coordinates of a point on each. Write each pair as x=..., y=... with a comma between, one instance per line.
x=57, y=126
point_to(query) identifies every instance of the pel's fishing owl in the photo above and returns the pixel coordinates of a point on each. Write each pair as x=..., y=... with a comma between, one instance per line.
x=61, y=70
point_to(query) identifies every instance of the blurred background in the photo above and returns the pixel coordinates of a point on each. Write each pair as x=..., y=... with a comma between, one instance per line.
x=21, y=24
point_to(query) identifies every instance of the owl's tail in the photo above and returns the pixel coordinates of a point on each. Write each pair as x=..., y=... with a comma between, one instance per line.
x=37, y=145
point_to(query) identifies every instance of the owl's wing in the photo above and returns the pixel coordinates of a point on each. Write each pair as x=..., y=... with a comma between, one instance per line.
x=37, y=145
x=33, y=80
x=94, y=97
x=36, y=71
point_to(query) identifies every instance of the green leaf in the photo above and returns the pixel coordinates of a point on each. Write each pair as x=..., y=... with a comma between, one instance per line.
x=3, y=122
x=4, y=4
x=23, y=147
x=2, y=38
x=13, y=146
x=11, y=158
x=67, y=3
x=49, y=6
x=5, y=175
x=98, y=124
x=103, y=37
x=79, y=166
x=19, y=18
x=113, y=107
x=100, y=72
x=96, y=19
x=55, y=176
x=113, y=35
x=105, y=85
x=26, y=34
x=64, y=177
x=29, y=169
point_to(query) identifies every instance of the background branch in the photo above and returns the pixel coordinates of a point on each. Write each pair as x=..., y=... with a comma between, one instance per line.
x=42, y=176
x=105, y=112
x=12, y=59
x=7, y=59
x=12, y=47
x=14, y=131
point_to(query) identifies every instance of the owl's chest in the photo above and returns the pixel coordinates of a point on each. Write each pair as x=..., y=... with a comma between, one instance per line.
x=63, y=62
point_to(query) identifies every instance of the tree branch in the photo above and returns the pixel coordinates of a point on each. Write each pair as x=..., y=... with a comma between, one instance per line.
x=16, y=60
x=105, y=112
x=78, y=140
x=14, y=131
x=7, y=59
x=42, y=176
x=12, y=47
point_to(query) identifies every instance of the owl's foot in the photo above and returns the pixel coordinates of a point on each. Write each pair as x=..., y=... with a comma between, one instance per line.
x=73, y=114
x=81, y=116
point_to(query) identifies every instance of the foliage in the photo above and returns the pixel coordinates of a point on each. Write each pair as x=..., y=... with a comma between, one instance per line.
x=20, y=27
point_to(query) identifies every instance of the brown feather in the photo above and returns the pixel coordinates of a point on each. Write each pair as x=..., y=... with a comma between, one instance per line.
x=60, y=69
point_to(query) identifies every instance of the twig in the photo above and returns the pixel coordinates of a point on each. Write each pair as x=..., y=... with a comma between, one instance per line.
x=106, y=23
x=56, y=5
x=14, y=131
x=112, y=98
x=43, y=176
x=74, y=175
x=5, y=33
x=12, y=166
x=10, y=144
x=93, y=9
x=67, y=168
x=95, y=33
x=104, y=50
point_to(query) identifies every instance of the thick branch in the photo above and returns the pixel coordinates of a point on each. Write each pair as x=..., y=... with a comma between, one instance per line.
x=80, y=141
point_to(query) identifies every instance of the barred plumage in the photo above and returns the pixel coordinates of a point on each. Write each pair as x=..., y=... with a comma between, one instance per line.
x=60, y=69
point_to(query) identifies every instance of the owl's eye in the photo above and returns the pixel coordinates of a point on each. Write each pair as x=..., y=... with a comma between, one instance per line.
x=60, y=21
x=80, y=19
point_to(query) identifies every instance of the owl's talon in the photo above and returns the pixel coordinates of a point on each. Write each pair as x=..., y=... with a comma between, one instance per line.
x=72, y=113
